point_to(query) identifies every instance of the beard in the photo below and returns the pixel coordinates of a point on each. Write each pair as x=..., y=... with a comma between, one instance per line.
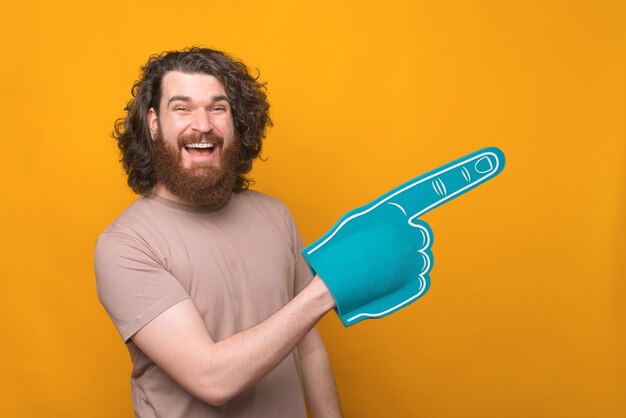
x=199, y=185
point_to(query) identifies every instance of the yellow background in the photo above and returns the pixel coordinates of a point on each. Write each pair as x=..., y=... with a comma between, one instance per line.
x=525, y=316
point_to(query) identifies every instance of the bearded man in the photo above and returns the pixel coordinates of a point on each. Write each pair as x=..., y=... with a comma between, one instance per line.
x=202, y=277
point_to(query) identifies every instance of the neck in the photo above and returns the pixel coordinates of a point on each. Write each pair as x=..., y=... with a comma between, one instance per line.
x=161, y=190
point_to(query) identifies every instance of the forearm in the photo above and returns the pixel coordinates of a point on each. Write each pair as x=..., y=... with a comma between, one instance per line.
x=238, y=362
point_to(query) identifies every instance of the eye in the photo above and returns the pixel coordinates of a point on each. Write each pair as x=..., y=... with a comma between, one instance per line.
x=181, y=108
x=218, y=108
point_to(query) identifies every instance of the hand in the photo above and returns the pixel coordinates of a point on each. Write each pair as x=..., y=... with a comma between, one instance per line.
x=377, y=258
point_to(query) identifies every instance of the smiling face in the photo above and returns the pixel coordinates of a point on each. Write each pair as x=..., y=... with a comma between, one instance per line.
x=195, y=148
x=194, y=107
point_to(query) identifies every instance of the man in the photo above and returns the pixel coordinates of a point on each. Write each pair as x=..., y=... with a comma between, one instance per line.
x=203, y=278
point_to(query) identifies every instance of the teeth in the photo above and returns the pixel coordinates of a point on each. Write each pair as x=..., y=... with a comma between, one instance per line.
x=199, y=145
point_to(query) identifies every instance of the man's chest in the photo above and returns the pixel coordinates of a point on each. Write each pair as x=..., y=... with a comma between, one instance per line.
x=237, y=273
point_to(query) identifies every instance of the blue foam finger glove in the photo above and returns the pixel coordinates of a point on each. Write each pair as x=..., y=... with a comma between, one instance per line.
x=377, y=258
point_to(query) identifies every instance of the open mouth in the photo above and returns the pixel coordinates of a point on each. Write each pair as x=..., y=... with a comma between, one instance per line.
x=200, y=149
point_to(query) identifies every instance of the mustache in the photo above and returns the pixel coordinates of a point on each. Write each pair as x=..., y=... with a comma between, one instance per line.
x=211, y=137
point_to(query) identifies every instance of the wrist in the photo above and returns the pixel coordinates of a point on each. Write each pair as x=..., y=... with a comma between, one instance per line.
x=322, y=294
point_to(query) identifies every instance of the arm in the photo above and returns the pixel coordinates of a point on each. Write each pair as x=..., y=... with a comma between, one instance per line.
x=178, y=342
x=317, y=376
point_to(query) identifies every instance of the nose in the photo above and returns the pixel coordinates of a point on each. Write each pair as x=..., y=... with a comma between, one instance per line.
x=201, y=122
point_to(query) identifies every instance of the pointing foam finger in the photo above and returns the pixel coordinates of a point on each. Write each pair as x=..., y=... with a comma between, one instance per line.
x=436, y=187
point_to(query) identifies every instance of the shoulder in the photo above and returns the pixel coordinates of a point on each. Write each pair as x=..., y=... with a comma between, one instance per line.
x=133, y=228
x=130, y=245
x=274, y=211
x=263, y=203
x=260, y=198
x=143, y=214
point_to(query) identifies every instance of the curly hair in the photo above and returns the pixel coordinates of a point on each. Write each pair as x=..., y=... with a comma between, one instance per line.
x=248, y=101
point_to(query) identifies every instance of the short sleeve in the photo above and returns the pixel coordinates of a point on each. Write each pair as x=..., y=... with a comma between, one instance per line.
x=303, y=277
x=133, y=286
x=302, y=273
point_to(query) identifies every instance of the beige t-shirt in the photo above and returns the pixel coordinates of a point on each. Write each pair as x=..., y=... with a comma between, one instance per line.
x=239, y=264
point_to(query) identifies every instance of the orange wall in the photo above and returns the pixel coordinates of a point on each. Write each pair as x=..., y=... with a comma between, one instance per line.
x=526, y=313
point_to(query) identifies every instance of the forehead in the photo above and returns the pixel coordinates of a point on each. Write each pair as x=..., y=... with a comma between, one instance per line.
x=196, y=86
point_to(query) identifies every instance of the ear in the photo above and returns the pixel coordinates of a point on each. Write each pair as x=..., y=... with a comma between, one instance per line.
x=153, y=122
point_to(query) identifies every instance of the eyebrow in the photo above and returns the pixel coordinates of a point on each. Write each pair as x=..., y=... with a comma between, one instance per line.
x=188, y=99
